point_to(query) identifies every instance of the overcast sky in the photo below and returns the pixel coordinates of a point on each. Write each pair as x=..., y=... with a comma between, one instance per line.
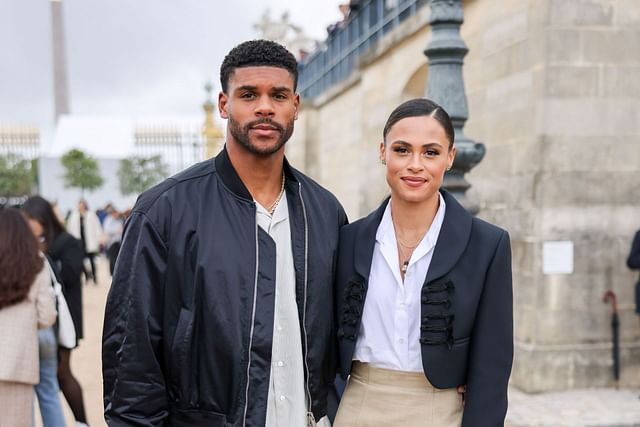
x=130, y=57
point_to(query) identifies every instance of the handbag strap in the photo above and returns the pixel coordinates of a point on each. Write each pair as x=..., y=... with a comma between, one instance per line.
x=57, y=287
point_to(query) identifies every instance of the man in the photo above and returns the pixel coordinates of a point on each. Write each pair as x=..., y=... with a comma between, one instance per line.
x=220, y=308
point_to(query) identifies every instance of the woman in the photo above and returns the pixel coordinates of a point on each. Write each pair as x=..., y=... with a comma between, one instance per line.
x=423, y=293
x=26, y=304
x=48, y=389
x=66, y=254
x=85, y=226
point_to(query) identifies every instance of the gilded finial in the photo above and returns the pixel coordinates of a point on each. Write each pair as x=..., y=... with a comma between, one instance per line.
x=213, y=136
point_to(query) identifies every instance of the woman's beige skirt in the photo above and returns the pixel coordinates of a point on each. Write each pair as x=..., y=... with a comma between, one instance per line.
x=16, y=403
x=384, y=397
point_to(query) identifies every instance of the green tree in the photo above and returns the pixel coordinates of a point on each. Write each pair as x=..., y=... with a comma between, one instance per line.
x=81, y=171
x=136, y=174
x=16, y=175
x=34, y=172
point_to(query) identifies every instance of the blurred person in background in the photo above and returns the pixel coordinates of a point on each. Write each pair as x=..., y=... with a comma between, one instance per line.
x=26, y=304
x=104, y=213
x=85, y=226
x=112, y=227
x=633, y=262
x=48, y=389
x=58, y=212
x=66, y=255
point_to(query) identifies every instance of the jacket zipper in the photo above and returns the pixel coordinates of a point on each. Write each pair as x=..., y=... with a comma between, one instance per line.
x=310, y=418
x=253, y=319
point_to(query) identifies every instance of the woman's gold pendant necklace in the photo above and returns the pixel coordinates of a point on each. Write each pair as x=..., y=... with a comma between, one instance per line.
x=404, y=265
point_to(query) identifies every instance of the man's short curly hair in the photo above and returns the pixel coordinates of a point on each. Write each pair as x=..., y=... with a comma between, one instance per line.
x=257, y=53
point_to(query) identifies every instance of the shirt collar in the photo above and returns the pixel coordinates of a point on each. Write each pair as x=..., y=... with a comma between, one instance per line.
x=282, y=210
x=431, y=237
x=280, y=214
x=386, y=235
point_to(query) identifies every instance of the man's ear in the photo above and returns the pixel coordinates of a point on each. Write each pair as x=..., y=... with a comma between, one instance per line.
x=222, y=105
x=296, y=102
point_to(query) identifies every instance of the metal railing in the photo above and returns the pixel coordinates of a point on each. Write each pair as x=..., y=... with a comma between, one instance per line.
x=23, y=141
x=179, y=146
x=337, y=56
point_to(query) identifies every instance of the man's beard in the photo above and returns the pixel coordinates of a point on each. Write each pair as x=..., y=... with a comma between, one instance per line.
x=241, y=134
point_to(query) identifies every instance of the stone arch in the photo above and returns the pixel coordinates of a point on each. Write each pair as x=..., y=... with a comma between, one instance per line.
x=416, y=84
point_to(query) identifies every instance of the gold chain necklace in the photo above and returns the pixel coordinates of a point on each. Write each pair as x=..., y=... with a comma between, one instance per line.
x=273, y=206
x=408, y=246
x=404, y=265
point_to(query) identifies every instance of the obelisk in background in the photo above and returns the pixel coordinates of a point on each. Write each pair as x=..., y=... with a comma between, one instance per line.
x=60, y=78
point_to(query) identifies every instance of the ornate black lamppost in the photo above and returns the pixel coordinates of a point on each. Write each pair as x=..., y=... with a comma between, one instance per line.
x=445, y=52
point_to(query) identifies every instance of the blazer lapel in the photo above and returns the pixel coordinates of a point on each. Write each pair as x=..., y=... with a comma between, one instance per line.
x=366, y=241
x=452, y=239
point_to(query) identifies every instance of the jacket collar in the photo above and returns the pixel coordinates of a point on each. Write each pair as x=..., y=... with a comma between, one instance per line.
x=450, y=245
x=231, y=179
x=366, y=240
x=452, y=240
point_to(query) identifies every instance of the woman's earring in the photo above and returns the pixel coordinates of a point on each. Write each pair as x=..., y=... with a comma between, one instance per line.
x=382, y=161
x=449, y=168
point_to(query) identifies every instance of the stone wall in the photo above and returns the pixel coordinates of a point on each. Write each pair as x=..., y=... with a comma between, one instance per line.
x=552, y=100
x=554, y=93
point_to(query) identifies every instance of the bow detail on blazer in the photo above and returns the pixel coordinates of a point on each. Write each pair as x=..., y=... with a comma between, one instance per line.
x=436, y=327
x=353, y=299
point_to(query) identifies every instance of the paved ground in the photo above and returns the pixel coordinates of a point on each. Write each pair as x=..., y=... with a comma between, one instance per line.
x=579, y=408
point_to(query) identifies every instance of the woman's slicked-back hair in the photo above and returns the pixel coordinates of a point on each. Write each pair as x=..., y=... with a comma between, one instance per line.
x=420, y=107
x=39, y=209
x=258, y=53
x=20, y=260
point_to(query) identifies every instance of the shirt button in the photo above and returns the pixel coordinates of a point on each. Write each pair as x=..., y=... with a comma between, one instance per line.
x=282, y=398
x=401, y=341
x=281, y=363
x=279, y=327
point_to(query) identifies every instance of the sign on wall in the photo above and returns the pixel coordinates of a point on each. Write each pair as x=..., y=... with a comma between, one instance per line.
x=557, y=257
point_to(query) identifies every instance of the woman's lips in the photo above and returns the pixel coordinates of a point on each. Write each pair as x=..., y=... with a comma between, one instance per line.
x=413, y=181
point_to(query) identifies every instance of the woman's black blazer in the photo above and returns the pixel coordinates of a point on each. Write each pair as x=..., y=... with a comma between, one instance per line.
x=466, y=331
